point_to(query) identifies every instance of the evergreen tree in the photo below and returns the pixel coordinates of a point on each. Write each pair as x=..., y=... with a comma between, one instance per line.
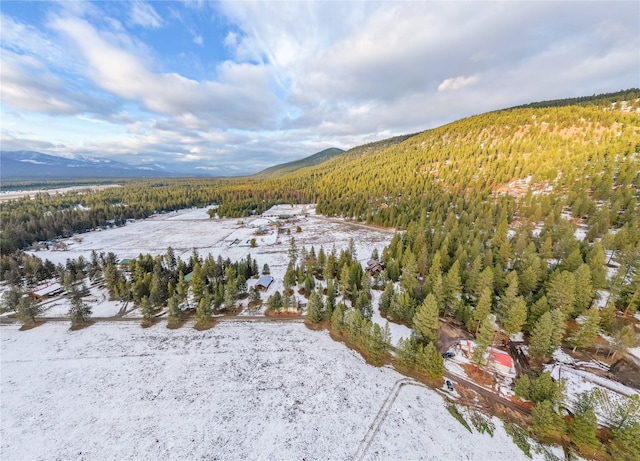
x=314, y=308
x=540, y=343
x=79, y=311
x=265, y=269
x=363, y=304
x=559, y=329
x=583, y=428
x=182, y=289
x=538, y=309
x=545, y=421
x=173, y=309
x=584, y=289
x=561, y=292
x=508, y=298
x=27, y=310
x=337, y=319
x=481, y=311
x=545, y=388
x=204, y=312
x=198, y=283
x=146, y=309
x=516, y=316
x=588, y=331
x=331, y=297
x=429, y=361
x=484, y=339
x=523, y=387
x=426, y=322
x=452, y=289
x=407, y=350
x=625, y=444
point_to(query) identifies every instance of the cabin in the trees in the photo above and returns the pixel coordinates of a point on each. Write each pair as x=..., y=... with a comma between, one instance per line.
x=46, y=292
x=499, y=361
x=264, y=282
x=373, y=266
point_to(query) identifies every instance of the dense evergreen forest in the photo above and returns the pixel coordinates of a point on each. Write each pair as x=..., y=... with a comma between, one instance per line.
x=487, y=210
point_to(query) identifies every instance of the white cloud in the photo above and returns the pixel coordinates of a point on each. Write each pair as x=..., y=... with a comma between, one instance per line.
x=240, y=98
x=198, y=40
x=143, y=14
x=456, y=83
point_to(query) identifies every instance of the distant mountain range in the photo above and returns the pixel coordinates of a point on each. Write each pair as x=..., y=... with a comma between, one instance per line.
x=25, y=165
x=34, y=166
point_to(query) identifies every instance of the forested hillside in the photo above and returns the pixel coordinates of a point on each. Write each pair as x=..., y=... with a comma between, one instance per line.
x=507, y=222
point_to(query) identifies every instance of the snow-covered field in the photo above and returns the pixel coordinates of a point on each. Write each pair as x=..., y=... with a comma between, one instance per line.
x=241, y=390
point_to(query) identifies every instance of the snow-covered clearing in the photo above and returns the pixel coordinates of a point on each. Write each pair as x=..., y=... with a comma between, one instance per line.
x=241, y=390
x=185, y=230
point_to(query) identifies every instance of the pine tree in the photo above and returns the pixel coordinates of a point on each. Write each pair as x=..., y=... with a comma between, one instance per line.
x=481, y=311
x=429, y=361
x=265, y=269
x=561, y=292
x=337, y=319
x=314, y=308
x=426, y=321
x=452, y=289
x=626, y=442
x=407, y=350
x=484, y=339
x=588, y=330
x=173, y=309
x=198, y=283
x=363, y=304
x=559, y=329
x=435, y=362
x=203, y=311
x=182, y=289
x=27, y=310
x=79, y=311
x=146, y=309
x=540, y=343
x=545, y=421
x=584, y=289
x=523, y=387
x=516, y=316
x=545, y=388
x=583, y=429
x=508, y=298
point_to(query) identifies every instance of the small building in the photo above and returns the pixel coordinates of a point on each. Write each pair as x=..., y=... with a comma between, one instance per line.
x=187, y=278
x=47, y=291
x=264, y=282
x=125, y=262
x=498, y=360
x=373, y=266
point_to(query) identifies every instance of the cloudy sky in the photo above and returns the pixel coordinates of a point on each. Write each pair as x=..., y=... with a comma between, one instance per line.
x=231, y=88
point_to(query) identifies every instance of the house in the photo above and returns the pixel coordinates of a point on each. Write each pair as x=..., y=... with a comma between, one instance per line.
x=125, y=262
x=47, y=291
x=187, y=278
x=373, y=266
x=264, y=282
x=497, y=360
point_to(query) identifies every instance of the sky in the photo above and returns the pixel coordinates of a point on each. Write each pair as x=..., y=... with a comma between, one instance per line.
x=229, y=88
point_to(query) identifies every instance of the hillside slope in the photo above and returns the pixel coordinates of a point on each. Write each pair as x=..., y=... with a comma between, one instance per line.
x=289, y=167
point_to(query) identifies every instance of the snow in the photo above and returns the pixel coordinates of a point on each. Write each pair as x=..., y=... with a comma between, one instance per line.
x=635, y=351
x=242, y=390
x=97, y=299
x=397, y=331
x=187, y=229
x=579, y=381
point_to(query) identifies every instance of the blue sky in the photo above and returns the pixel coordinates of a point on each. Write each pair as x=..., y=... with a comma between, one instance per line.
x=232, y=88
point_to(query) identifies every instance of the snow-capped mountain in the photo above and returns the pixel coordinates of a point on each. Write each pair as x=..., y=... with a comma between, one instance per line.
x=28, y=165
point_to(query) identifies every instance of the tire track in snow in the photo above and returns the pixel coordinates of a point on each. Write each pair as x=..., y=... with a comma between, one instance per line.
x=374, y=427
